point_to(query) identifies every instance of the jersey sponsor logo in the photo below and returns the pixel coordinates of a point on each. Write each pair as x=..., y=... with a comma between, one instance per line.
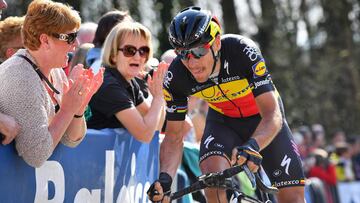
x=201, y=87
x=261, y=83
x=208, y=140
x=226, y=67
x=229, y=79
x=219, y=145
x=184, y=19
x=169, y=76
x=251, y=52
x=277, y=173
x=259, y=69
x=211, y=153
x=203, y=28
x=167, y=95
x=289, y=182
x=286, y=163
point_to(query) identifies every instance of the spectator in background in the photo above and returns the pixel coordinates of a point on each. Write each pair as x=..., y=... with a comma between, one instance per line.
x=318, y=136
x=10, y=36
x=344, y=168
x=322, y=167
x=354, y=142
x=46, y=115
x=168, y=56
x=198, y=116
x=326, y=172
x=339, y=136
x=3, y=6
x=106, y=23
x=86, y=32
x=119, y=103
x=307, y=141
x=85, y=37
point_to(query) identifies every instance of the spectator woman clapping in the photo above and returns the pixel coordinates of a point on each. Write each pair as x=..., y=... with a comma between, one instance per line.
x=119, y=103
x=35, y=90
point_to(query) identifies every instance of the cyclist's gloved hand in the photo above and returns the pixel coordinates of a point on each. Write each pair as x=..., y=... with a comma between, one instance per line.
x=160, y=188
x=249, y=154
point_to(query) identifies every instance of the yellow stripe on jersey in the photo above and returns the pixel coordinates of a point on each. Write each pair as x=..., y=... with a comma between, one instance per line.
x=230, y=89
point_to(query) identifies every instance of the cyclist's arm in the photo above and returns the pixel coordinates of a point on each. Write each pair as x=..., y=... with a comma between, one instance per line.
x=171, y=148
x=271, y=119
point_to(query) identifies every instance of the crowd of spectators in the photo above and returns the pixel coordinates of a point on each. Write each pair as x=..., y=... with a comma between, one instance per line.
x=333, y=161
x=70, y=60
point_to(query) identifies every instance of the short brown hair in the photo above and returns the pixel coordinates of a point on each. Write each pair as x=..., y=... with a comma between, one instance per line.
x=47, y=17
x=10, y=29
x=117, y=36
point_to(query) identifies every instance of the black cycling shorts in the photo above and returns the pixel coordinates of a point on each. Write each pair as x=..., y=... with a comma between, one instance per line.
x=281, y=160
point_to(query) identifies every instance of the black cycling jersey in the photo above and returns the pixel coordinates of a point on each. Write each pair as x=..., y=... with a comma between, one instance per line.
x=243, y=76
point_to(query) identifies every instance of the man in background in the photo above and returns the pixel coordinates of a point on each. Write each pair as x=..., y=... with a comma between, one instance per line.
x=10, y=36
x=86, y=32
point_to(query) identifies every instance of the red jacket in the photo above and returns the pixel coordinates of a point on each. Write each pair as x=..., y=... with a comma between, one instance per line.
x=325, y=174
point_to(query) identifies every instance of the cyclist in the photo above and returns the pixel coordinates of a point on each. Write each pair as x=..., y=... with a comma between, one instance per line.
x=245, y=122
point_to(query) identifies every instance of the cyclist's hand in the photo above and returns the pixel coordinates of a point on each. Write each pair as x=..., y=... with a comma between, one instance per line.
x=160, y=189
x=247, y=153
x=166, y=199
x=155, y=192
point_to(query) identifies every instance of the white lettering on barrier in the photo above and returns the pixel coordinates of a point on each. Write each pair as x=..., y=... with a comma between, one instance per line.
x=49, y=171
x=52, y=171
x=84, y=195
x=109, y=176
x=146, y=187
x=123, y=195
x=133, y=193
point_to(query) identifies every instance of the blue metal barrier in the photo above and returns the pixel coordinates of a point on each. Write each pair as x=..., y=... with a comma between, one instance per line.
x=108, y=166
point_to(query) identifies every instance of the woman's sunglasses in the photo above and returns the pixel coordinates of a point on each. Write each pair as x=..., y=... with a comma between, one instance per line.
x=130, y=51
x=196, y=52
x=69, y=38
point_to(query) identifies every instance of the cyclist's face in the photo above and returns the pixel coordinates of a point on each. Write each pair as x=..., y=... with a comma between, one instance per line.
x=201, y=67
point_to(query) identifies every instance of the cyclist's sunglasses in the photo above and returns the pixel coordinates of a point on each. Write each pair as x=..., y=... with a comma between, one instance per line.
x=130, y=51
x=69, y=38
x=196, y=52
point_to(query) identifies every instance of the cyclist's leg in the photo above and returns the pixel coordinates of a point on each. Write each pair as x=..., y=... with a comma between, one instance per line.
x=294, y=194
x=282, y=164
x=215, y=164
x=215, y=149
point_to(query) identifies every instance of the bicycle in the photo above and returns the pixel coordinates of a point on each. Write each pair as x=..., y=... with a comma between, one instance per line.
x=222, y=180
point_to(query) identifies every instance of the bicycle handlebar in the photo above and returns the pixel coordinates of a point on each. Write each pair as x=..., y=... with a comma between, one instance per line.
x=218, y=179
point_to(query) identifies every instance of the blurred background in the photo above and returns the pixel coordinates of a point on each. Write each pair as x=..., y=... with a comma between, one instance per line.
x=311, y=47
